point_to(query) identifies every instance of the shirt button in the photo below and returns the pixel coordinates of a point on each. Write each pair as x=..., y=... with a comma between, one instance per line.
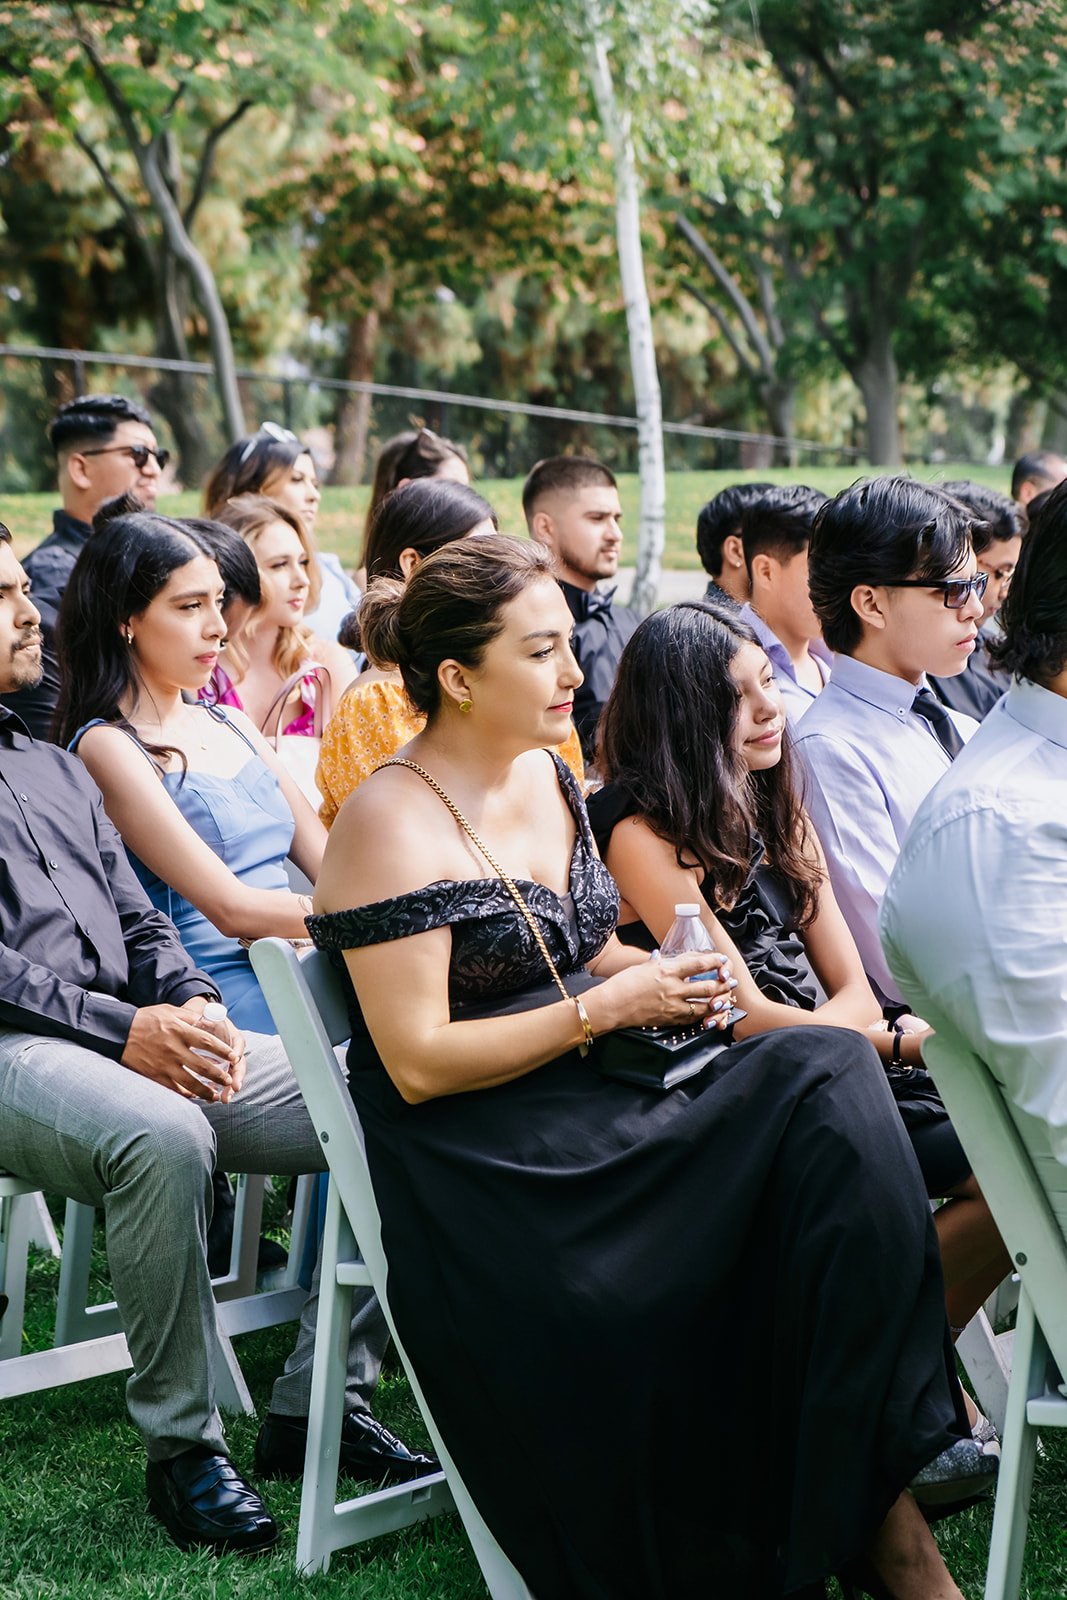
x=54, y=865
x=24, y=797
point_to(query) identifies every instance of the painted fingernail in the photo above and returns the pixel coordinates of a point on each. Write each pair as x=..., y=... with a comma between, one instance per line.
x=719, y=1005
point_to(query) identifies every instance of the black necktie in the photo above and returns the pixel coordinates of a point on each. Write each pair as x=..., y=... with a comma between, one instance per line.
x=926, y=704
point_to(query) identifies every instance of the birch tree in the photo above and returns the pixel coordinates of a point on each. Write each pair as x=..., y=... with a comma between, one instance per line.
x=649, y=85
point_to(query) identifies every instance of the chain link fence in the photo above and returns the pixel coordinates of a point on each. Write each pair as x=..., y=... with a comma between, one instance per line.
x=503, y=437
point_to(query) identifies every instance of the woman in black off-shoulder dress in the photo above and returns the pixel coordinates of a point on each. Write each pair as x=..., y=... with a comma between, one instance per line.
x=666, y=1361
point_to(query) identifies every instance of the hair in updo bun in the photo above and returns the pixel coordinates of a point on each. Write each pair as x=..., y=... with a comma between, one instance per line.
x=449, y=610
x=377, y=620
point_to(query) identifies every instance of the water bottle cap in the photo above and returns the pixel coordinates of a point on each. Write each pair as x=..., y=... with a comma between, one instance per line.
x=214, y=1011
x=687, y=909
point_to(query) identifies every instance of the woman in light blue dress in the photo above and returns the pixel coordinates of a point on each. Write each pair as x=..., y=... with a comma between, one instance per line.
x=206, y=811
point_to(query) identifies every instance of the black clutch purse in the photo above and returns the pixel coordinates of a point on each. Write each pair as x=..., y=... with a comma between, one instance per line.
x=660, y=1058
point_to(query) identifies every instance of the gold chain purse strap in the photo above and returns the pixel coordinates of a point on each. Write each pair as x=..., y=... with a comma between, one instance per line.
x=513, y=890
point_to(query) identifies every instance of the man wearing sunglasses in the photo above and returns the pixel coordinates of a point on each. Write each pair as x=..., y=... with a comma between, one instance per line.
x=896, y=587
x=997, y=538
x=104, y=446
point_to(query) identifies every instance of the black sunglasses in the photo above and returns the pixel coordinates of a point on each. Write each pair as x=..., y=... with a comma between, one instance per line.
x=139, y=453
x=955, y=592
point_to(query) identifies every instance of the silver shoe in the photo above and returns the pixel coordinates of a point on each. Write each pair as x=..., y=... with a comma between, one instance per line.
x=985, y=1433
x=966, y=1468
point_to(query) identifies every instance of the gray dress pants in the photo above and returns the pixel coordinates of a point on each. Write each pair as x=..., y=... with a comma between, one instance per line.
x=79, y=1124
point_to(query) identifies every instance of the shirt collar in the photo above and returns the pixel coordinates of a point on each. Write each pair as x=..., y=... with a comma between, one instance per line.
x=11, y=722
x=70, y=527
x=719, y=596
x=585, y=603
x=774, y=647
x=884, y=690
x=1040, y=710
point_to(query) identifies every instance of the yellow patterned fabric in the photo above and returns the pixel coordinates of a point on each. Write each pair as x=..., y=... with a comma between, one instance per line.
x=371, y=723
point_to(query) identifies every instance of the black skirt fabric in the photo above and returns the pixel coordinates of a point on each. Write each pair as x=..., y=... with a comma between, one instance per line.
x=679, y=1345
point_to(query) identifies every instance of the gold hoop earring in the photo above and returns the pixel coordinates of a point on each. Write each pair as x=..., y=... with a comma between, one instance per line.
x=465, y=705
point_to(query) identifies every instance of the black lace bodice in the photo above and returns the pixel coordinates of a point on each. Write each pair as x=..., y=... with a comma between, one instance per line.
x=493, y=951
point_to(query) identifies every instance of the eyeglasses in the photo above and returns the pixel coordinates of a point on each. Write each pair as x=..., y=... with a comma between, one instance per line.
x=955, y=592
x=139, y=453
x=269, y=430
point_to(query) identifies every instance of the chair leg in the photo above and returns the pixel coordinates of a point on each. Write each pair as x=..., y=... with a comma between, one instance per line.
x=1018, y=1449
x=76, y=1319
x=42, y=1229
x=240, y=1279
x=987, y=1363
x=16, y=1220
x=326, y=1414
x=305, y=1191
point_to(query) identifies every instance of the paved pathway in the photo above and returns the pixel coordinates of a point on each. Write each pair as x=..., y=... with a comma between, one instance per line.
x=673, y=586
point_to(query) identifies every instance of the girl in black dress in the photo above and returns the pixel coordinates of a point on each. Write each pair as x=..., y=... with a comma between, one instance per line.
x=667, y=1361
x=702, y=803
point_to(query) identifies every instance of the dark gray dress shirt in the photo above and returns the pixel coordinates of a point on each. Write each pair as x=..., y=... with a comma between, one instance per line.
x=81, y=946
x=48, y=568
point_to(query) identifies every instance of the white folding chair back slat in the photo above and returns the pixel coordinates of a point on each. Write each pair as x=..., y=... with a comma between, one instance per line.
x=1032, y=1219
x=307, y=1002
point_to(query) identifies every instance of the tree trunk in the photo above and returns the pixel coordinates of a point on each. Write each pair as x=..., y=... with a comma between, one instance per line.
x=1022, y=428
x=1054, y=433
x=616, y=124
x=780, y=400
x=877, y=379
x=175, y=393
x=203, y=281
x=353, y=413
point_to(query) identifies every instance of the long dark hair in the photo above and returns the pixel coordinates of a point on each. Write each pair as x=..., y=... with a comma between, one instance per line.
x=119, y=572
x=415, y=453
x=1034, y=616
x=253, y=465
x=666, y=742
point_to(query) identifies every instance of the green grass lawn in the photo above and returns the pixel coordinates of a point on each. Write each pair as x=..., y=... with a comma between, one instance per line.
x=340, y=524
x=73, y=1520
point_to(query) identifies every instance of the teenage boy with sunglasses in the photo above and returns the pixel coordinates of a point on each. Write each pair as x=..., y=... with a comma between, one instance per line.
x=104, y=446
x=896, y=587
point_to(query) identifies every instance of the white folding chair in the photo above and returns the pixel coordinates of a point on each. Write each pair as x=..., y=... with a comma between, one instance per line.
x=307, y=1003
x=88, y=1339
x=1008, y=1162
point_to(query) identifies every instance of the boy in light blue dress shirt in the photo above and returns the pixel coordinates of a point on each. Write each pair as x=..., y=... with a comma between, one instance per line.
x=975, y=915
x=894, y=583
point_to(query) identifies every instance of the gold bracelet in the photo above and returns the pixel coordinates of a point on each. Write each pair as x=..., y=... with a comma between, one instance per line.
x=587, y=1027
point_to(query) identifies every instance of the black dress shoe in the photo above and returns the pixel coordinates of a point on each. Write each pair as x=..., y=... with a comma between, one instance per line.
x=368, y=1450
x=201, y=1498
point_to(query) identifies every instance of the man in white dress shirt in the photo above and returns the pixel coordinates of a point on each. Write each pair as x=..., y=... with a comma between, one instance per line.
x=975, y=915
x=894, y=583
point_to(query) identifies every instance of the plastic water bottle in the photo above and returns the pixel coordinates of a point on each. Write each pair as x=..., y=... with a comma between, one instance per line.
x=687, y=932
x=214, y=1011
